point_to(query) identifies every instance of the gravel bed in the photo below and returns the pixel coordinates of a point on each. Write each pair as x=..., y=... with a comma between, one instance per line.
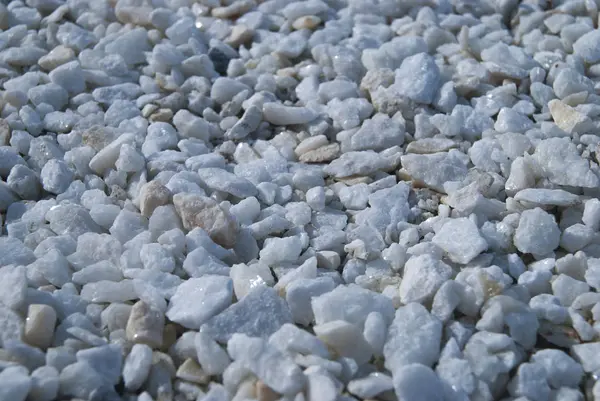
x=315, y=200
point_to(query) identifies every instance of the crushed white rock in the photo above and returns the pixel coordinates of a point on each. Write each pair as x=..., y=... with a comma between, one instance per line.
x=299, y=200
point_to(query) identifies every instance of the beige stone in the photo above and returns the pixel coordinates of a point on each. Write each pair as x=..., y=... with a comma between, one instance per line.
x=145, y=325
x=265, y=393
x=323, y=154
x=239, y=35
x=200, y=211
x=234, y=10
x=136, y=12
x=153, y=195
x=430, y=145
x=306, y=22
x=192, y=372
x=161, y=115
x=39, y=325
x=568, y=119
x=57, y=57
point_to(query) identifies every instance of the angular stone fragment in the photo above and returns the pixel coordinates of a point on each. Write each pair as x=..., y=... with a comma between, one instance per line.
x=588, y=47
x=199, y=299
x=279, y=114
x=200, y=211
x=39, y=325
x=461, y=240
x=434, y=170
x=259, y=314
x=11, y=325
x=346, y=339
x=537, y=232
x=153, y=195
x=418, y=78
x=222, y=180
x=568, y=119
x=322, y=154
x=547, y=197
x=145, y=325
x=413, y=337
x=274, y=368
x=423, y=276
x=562, y=164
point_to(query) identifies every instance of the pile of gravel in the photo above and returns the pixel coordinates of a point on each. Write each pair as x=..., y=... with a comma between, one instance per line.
x=315, y=200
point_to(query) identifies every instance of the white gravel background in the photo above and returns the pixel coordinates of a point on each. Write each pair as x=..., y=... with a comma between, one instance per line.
x=316, y=200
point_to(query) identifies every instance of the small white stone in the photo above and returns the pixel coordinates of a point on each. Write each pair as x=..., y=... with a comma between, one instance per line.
x=561, y=369
x=423, y=276
x=56, y=176
x=300, y=292
x=259, y=314
x=108, y=291
x=106, y=360
x=416, y=382
x=315, y=197
x=375, y=332
x=351, y=304
x=69, y=75
x=137, y=366
x=213, y=293
x=591, y=214
x=547, y=197
x=156, y=257
x=531, y=382
x=371, y=385
x=245, y=278
x=562, y=164
x=212, y=358
x=13, y=286
x=290, y=338
x=587, y=47
x=44, y=384
x=346, y=339
x=413, y=337
x=79, y=380
x=281, y=250
x=418, y=78
x=279, y=114
x=576, y=237
x=587, y=355
x=106, y=158
x=434, y=170
x=460, y=239
x=537, y=232
x=14, y=384
x=566, y=289
x=320, y=385
x=191, y=126
x=275, y=369
x=11, y=325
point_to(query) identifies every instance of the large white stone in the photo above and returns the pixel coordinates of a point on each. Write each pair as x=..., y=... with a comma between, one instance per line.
x=259, y=314
x=423, y=276
x=461, y=240
x=413, y=337
x=199, y=299
x=537, y=232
